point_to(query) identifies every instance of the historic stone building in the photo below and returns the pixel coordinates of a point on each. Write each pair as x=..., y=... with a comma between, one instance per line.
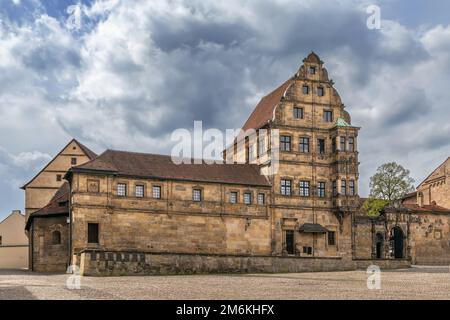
x=46, y=209
x=285, y=201
x=417, y=229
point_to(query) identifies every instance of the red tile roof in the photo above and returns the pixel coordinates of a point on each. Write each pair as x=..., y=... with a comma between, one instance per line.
x=143, y=165
x=58, y=205
x=265, y=108
x=426, y=208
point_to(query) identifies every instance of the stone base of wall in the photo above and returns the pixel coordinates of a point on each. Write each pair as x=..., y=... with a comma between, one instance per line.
x=100, y=263
x=383, y=263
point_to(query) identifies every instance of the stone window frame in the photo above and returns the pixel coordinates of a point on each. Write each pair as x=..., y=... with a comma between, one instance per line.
x=343, y=186
x=305, y=85
x=351, y=187
x=245, y=192
x=237, y=196
x=59, y=237
x=93, y=180
x=352, y=144
x=328, y=111
x=308, y=188
x=73, y=161
x=312, y=70
x=126, y=188
x=156, y=185
x=144, y=191
x=202, y=194
x=320, y=195
x=290, y=142
x=342, y=143
x=93, y=244
x=295, y=111
x=263, y=194
x=301, y=144
x=291, y=180
x=334, y=229
x=59, y=177
x=322, y=89
x=324, y=145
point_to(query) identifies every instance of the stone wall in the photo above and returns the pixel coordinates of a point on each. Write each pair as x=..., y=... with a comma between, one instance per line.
x=101, y=263
x=46, y=255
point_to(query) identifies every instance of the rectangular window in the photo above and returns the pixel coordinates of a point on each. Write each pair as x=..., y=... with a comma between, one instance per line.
x=307, y=250
x=233, y=197
x=247, y=198
x=304, y=145
x=261, y=198
x=331, y=238
x=286, y=187
x=139, y=191
x=285, y=143
x=93, y=233
x=320, y=92
x=298, y=113
x=261, y=146
x=343, y=187
x=312, y=70
x=305, y=89
x=251, y=156
x=321, y=189
x=342, y=144
x=328, y=116
x=320, y=146
x=121, y=189
x=58, y=177
x=334, y=188
x=333, y=144
x=73, y=161
x=197, y=195
x=290, y=241
x=351, y=144
x=156, y=192
x=304, y=188
x=351, y=187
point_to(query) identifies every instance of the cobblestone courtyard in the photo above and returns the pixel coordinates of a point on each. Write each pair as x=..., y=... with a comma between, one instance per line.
x=414, y=283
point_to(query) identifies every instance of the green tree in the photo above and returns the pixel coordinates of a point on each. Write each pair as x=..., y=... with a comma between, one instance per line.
x=390, y=182
x=372, y=207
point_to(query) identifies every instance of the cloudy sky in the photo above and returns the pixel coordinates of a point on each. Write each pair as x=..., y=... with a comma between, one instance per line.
x=125, y=74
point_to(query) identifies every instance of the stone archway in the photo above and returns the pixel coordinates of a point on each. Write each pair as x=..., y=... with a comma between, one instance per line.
x=397, y=237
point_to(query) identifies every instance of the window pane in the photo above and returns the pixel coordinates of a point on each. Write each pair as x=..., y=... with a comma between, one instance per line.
x=312, y=70
x=331, y=238
x=156, y=192
x=343, y=187
x=321, y=146
x=304, y=188
x=261, y=198
x=197, y=195
x=351, y=144
x=328, y=116
x=304, y=145
x=321, y=190
x=342, y=144
x=247, y=198
x=290, y=246
x=320, y=91
x=285, y=143
x=298, y=113
x=139, y=191
x=286, y=187
x=121, y=189
x=233, y=197
x=305, y=89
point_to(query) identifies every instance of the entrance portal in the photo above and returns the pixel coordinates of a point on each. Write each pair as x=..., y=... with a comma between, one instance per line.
x=397, y=235
x=379, y=245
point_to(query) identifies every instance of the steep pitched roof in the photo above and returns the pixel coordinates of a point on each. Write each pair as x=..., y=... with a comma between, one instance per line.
x=435, y=171
x=264, y=110
x=89, y=153
x=145, y=165
x=58, y=205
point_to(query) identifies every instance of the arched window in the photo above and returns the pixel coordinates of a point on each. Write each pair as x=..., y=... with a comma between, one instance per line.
x=56, y=237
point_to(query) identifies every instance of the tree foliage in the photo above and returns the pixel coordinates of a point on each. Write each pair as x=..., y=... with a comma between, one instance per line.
x=390, y=182
x=373, y=207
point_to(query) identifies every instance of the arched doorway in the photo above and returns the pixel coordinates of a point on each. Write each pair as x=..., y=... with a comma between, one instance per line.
x=397, y=238
x=379, y=246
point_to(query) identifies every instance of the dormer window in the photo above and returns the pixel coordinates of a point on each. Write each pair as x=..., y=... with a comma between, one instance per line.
x=312, y=70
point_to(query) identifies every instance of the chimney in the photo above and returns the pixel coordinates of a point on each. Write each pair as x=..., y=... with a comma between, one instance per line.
x=16, y=211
